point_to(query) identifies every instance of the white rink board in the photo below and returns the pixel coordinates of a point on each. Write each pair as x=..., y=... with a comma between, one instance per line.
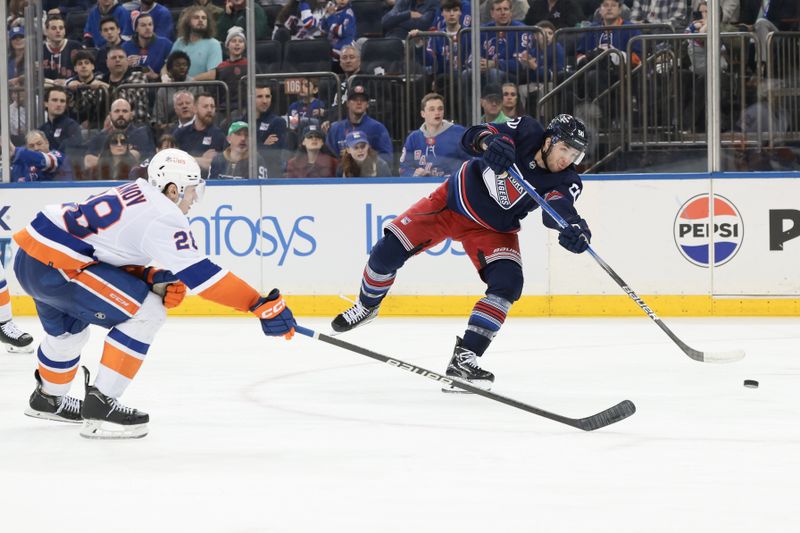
x=313, y=238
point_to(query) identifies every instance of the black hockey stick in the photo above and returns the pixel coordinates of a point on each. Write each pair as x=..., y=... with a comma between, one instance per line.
x=611, y=415
x=704, y=357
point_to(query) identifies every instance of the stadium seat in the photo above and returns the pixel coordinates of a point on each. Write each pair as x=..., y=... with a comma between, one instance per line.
x=76, y=20
x=307, y=56
x=368, y=17
x=268, y=57
x=272, y=11
x=386, y=53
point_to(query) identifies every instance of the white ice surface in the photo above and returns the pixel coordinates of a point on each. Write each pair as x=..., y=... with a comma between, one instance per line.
x=250, y=434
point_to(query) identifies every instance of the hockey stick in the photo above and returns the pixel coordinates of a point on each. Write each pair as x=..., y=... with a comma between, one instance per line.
x=728, y=356
x=611, y=415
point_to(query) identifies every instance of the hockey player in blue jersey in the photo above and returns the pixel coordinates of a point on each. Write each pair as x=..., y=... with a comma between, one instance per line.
x=481, y=206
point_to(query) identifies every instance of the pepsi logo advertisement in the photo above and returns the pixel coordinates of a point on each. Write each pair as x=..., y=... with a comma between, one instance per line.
x=692, y=230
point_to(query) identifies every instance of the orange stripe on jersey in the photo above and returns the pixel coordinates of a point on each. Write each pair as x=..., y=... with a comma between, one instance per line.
x=58, y=378
x=232, y=291
x=120, y=362
x=4, y=297
x=46, y=254
x=106, y=291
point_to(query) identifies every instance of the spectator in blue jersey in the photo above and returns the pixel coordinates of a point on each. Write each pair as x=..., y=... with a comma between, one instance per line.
x=561, y=13
x=270, y=131
x=360, y=160
x=407, y=15
x=16, y=56
x=464, y=14
x=62, y=132
x=594, y=43
x=58, y=51
x=120, y=119
x=481, y=207
x=233, y=69
x=234, y=161
x=202, y=139
x=92, y=37
x=234, y=15
x=162, y=18
x=299, y=20
x=116, y=159
x=440, y=50
x=435, y=148
x=339, y=26
x=36, y=162
x=109, y=28
x=147, y=52
x=196, y=37
x=89, y=92
x=307, y=109
x=543, y=45
x=357, y=119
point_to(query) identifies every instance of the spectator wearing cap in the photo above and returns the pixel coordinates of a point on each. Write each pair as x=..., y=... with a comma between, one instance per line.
x=561, y=13
x=90, y=92
x=233, y=162
x=232, y=69
x=202, y=139
x=407, y=15
x=146, y=50
x=196, y=33
x=62, y=132
x=16, y=56
x=492, y=105
x=162, y=18
x=109, y=28
x=37, y=162
x=270, y=131
x=360, y=160
x=92, y=36
x=313, y=159
x=58, y=51
x=234, y=15
x=435, y=148
x=358, y=120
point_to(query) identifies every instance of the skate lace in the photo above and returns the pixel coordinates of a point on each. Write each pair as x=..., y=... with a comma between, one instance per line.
x=468, y=358
x=355, y=313
x=124, y=409
x=11, y=330
x=70, y=405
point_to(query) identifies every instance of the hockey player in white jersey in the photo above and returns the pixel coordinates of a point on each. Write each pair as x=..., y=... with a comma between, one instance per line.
x=14, y=339
x=86, y=264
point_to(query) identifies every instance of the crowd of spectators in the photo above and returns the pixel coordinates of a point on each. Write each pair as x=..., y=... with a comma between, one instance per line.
x=107, y=108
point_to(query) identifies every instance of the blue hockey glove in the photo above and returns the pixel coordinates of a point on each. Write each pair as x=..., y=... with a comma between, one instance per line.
x=575, y=237
x=276, y=319
x=499, y=153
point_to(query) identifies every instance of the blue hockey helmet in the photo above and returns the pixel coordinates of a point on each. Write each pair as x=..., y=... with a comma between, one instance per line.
x=569, y=129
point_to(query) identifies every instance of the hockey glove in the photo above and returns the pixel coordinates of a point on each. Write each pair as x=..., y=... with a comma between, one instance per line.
x=575, y=237
x=162, y=282
x=499, y=153
x=276, y=319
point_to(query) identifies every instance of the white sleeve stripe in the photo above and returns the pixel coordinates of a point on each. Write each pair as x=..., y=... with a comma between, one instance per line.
x=210, y=281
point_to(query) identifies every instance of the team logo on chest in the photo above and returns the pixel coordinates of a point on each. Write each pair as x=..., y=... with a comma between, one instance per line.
x=504, y=189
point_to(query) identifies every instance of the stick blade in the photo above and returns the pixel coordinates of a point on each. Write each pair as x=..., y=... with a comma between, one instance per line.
x=729, y=356
x=614, y=414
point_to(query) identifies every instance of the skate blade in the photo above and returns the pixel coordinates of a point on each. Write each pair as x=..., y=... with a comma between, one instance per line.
x=49, y=416
x=485, y=385
x=98, y=429
x=19, y=349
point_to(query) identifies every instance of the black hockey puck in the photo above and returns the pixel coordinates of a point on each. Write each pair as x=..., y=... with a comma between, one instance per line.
x=751, y=383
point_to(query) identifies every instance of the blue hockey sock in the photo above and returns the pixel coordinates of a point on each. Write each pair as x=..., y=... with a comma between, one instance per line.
x=484, y=322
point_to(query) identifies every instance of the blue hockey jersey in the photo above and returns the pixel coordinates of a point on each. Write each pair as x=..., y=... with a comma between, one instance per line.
x=500, y=202
x=340, y=27
x=439, y=155
x=30, y=165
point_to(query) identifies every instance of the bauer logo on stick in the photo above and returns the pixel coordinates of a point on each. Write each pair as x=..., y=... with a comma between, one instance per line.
x=692, y=230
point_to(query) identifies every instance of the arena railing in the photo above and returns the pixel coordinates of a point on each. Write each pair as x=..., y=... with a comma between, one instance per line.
x=783, y=87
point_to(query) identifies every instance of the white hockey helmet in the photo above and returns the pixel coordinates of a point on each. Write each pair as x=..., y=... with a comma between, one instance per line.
x=175, y=166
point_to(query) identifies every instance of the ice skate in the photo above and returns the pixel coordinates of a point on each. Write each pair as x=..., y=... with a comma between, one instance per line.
x=464, y=365
x=105, y=418
x=357, y=315
x=48, y=407
x=14, y=339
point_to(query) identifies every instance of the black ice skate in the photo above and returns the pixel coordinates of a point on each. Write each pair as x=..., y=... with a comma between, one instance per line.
x=58, y=408
x=358, y=315
x=15, y=340
x=464, y=365
x=105, y=418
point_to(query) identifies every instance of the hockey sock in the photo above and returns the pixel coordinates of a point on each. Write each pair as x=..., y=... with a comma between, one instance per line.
x=374, y=286
x=5, y=301
x=58, y=359
x=484, y=322
x=386, y=257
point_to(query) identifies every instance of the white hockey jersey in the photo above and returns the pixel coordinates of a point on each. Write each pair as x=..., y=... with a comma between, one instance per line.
x=132, y=224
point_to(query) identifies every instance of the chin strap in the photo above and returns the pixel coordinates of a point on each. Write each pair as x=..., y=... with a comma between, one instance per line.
x=545, y=153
